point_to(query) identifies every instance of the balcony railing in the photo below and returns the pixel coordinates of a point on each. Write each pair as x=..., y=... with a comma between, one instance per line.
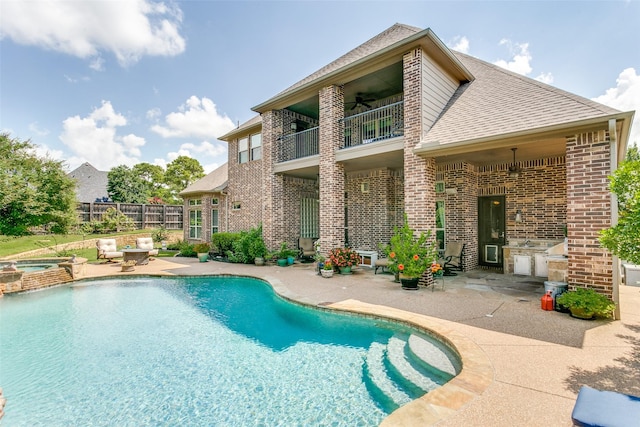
x=374, y=125
x=298, y=145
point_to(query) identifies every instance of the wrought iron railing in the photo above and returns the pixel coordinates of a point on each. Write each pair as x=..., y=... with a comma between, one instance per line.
x=374, y=125
x=298, y=145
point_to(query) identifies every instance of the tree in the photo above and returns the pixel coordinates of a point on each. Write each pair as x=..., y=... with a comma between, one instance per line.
x=34, y=191
x=181, y=173
x=126, y=186
x=153, y=178
x=623, y=239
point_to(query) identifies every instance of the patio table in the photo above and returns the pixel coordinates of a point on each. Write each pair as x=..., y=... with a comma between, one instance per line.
x=140, y=256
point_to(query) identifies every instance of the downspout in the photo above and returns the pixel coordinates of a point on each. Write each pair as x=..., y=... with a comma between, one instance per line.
x=226, y=210
x=613, y=144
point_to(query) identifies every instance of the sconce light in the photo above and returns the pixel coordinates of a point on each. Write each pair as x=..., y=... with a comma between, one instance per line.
x=518, y=216
x=294, y=126
x=514, y=170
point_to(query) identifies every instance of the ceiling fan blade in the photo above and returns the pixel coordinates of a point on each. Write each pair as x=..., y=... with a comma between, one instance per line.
x=366, y=105
x=354, y=106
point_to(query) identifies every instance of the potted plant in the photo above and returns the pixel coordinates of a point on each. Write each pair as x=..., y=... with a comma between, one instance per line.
x=327, y=269
x=585, y=303
x=410, y=255
x=284, y=254
x=202, y=249
x=258, y=250
x=344, y=259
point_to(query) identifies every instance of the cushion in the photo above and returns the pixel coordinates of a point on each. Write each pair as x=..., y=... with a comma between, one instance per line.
x=605, y=408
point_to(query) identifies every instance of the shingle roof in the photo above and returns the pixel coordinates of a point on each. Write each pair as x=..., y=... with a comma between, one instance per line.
x=391, y=35
x=214, y=182
x=240, y=129
x=91, y=183
x=500, y=102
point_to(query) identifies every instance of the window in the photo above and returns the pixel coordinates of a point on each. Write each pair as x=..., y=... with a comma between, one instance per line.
x=243, y=150
x=214, y=221
x=214, y=201
x=250, y=148
x=309, y=217
x=195, y=224
x=256, y=146
x=440, y=216
x=195, y=202
x=439, y=186
x=236, y=206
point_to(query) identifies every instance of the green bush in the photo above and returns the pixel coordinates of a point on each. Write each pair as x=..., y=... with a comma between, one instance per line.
x=160, y=234
x=221, y=243
x=186, y=249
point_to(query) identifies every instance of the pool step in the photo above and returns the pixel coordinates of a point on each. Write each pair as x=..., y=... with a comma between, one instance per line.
x=401, y=370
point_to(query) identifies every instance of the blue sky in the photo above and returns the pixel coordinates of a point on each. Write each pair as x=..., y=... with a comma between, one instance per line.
x=123, y=82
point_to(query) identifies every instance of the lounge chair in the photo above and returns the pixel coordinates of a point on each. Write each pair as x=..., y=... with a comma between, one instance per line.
x=146, y=243
x=452, y=258
x=306, y=247
x=108, y=249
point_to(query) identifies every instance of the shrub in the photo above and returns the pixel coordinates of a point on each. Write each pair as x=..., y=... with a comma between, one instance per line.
x=160, y=234
x=201, y=248
x=221, y=243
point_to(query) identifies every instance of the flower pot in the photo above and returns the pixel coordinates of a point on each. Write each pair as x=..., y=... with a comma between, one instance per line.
x=128, y=267
x=580, y=313
x=282, y=262
x=203, y=257
x=258, y=260
x=290, y=260
x=326, y=273
x=409, y=283
x=345, y=270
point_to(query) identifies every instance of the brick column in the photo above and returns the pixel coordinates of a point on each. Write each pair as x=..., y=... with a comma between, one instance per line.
x=273, y=210
x=588, y=211
x=419, y=173
x=331, y=173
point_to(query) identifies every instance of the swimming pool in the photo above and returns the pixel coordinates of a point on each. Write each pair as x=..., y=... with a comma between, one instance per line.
x=200, y=351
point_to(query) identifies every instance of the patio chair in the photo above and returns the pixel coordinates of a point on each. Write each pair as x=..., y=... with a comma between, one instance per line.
x=306, y=247
x=452, y=258
x=108, y=249
x=147, y=244
x=382, y=263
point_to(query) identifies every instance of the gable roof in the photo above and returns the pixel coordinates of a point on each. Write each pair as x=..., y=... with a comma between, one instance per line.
x=91, y=183
x=251, y=124
x=501, y=103
x=214, y=182
x=395, y=41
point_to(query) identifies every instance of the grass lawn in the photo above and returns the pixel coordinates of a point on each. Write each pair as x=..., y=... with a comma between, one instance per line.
x=10, y=245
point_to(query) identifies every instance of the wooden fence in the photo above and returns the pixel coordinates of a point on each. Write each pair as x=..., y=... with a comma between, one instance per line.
x=144, y=216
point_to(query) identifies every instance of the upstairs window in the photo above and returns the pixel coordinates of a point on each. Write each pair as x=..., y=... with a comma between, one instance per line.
x=195, y=202
x=243, y=150
x=256, y=146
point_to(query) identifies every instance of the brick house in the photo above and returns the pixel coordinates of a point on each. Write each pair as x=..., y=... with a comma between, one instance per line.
x=403, y=125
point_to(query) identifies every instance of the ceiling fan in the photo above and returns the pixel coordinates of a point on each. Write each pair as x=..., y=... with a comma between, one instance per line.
x=514, y=169
x=361, y=101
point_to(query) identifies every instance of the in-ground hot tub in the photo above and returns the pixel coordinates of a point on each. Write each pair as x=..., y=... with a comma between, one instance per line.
x=25, y=275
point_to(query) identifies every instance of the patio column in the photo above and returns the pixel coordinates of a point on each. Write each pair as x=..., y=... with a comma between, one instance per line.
x=332, y=215
x=273, y=185
x=588, y=211
x=419, y=173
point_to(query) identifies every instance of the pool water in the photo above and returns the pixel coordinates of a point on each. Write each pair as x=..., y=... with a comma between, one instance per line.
x=184, y=351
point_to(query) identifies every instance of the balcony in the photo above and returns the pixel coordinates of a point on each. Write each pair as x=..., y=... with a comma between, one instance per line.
x=374, y=125
x=298, y=145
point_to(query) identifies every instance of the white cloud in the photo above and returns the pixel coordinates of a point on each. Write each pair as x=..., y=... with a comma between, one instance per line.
x=625, y=97
x=128, y=29
x=545, y=78
x=35, y=128
x=520, y=60
x=209, y=155
x=459, y=44
x=195, y=119
x=153, y=114
x=94, y=139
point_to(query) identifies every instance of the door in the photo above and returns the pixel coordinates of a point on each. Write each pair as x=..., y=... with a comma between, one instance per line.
x=491, y=230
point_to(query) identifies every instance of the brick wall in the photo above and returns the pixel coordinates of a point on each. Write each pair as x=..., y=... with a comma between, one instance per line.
x=332, y=218
x=294, y=189
x=588, y=210
x=273, y=184
x=372, y=215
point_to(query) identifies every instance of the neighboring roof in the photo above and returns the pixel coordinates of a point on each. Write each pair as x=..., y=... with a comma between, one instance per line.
x=255, y=122
x=499, y=102
x=396, y=40
x=91, y=184
x=214, y=182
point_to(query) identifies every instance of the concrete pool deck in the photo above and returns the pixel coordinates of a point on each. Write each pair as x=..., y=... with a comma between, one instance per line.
x=538, y=360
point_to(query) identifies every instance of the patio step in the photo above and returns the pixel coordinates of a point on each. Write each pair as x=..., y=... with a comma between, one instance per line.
x=395, y=373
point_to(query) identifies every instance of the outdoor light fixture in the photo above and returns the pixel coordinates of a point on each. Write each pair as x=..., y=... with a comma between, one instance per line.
x=518, y=215
x=514, y=170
